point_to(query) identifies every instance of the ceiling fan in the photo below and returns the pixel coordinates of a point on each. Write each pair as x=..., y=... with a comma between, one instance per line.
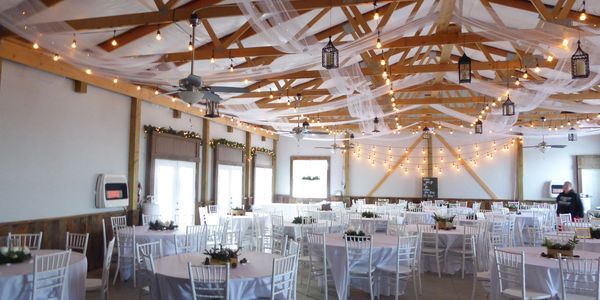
x=543, y=146
x=335, y=146
x=191, y=88
x=301, y=129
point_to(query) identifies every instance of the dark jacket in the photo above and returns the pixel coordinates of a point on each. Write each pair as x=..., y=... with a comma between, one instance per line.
x=569, y=203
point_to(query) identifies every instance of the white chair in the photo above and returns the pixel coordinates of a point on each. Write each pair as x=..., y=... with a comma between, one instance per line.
x=195, y=240
x=319, y=267
x=146, y=219
x=213, y=209
x=469, y=247
x=430, y=245
x=118, y=223
x=145, y=255
x=579, y=278
x=125, y=237
x=104, y=237
x=511, y=276
x=101, y=284
x=33, y=241
x=77, y=241
x=283, y=277
x=565, y=218
x=406, y=266
x=210, y=281
x=357, y=247
x=50, y=272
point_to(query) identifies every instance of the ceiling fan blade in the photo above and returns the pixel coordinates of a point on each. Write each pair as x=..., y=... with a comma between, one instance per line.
x=227, y=89
x=536, y=146
x=212, y=97
x=324, y=148
x=556, y=146
x=169, y=93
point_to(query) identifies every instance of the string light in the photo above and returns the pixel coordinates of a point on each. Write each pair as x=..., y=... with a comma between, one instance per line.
x=378, y=44
x=116, y=80
x=114, y=42
x=138, y=88
x=36, y=46
x=74, y=42
x=550, y=58
x=376, y=15
x=583, y=16
x=565, y=43
x=56, y=57
x=88, y=71
x=270, y=94
x=158, y=36
x=525, y=75
x=190, y=44
x=156, y=92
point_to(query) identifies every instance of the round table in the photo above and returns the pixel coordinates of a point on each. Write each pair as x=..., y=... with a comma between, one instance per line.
x=541, y=273
x=380, y=223
x=16, y=279
x=448, y=239
x=247, y=281
x=591, y=245
x=384, y=252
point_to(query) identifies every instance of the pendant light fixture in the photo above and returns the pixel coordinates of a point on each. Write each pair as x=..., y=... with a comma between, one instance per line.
x=580, y=63
x=330, y=55
x=508, y=107
x=572, y=135
x=376, y=125
x=583, y=16
x=158, y=36
x=212, y=109
x=478, y=127
x=464, y=69
x=114, y=42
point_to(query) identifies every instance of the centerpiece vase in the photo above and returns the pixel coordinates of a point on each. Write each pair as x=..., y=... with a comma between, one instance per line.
x=553, y=253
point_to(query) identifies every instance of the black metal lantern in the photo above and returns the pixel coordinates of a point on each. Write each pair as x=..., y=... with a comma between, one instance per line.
x=426, y=132
x=330, y=56
x=508, y=107
x=580, y=63
x=212, y=109
x=479, y=127
x=572, y=135
x=305, y=126
x=376, y=125
x=464, y=69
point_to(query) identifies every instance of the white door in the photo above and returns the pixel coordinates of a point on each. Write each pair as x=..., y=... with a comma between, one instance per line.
x=174, y=190
x=263, y=185
x=590, y=185
x=229, y=187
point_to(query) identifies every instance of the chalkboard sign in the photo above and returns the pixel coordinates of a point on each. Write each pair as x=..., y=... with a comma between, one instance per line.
x=429, y=187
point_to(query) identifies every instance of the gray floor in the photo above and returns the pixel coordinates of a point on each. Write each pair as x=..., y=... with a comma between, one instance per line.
x=434, y=288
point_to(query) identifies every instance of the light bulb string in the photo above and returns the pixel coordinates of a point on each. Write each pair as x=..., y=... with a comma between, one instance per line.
x=416, y=156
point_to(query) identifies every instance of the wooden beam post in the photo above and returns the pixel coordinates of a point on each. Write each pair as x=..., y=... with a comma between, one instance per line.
x=395, y=166
x=480, y=181
x=248, y=168
x=346, y=167
x=520, y=170
x=430, y=156
x=80, y=86
x=205, y=162
x=133, y=166
x=274, y=170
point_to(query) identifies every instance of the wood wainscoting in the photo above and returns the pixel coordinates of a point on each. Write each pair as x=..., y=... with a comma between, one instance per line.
x=55, y=229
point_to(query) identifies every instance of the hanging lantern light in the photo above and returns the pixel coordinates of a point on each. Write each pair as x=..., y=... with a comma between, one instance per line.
x=212, y=109
x=508, y=107
x=376, y=125
x=464, y=69
x=305, y=126
x=330, y=56
x=580, y=63
x=572, y=135
x=478, y=127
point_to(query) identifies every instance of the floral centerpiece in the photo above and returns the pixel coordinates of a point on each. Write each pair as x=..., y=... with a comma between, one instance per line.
x=222, y=256
x=310, y=178
x=351, y=234
x=160, y=225
x=369, y=215
x=565, y=249
x=443, y=222
x=14, y=255
x=237, y=211
x=303, y=220
x=471, y=216
x=512, y=208
x=326, y=207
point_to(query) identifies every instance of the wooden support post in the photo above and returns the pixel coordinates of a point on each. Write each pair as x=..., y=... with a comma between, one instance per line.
x=248, y=168
x=395, y=166
x=205, y=163
x=346, y=167
x=176, y=114
x=229, y=129
x=430, y=155
x=133, y=166
x=80, y=86
x=519, y=170
x=274, y=170
x=468, y=168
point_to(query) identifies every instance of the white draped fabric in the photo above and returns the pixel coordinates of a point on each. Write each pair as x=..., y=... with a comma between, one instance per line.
x=247, y=281
x=16, y=279
x=541, y=273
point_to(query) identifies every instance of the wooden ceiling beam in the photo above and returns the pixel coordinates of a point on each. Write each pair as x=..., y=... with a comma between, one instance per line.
x=528, y=6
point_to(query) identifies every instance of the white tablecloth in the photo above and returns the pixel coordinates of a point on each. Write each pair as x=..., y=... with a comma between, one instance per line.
x=591, y=245
x=292, y=210
x=448, y=239
x=380, y=223
x=248, y=281
x=241, y=223
x=541, y=273
x=16, y=279
x=384, y=253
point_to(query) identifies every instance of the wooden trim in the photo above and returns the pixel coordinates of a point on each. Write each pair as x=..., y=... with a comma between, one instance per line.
x=274, y=166
x=215, y=172
x=480, y=181
x=299, y=157
x=585, y=162
x=248, y=170
x=79, y=87
x=133, y=165
x=395, y=166
x=347, y=161
x=205, y=170
x=520, y=170
x=430, y=156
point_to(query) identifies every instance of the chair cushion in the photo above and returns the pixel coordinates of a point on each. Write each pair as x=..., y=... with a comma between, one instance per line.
x=93, y=284
x=533, y=295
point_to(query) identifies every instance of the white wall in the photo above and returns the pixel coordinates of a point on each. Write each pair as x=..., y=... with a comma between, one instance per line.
x=54, y=143
x=555, y=164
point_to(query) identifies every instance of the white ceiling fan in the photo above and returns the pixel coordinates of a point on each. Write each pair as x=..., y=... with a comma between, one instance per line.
x=335, y=146
x=543, y=146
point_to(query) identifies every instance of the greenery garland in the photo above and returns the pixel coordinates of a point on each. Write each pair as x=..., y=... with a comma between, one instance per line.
x=182, y=133
x=266, y=151
x=228, y=143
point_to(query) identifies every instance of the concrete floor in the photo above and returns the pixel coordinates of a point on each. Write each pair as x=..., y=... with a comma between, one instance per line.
x=450, y=287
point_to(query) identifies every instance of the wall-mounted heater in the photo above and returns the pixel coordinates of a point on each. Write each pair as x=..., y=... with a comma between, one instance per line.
x=111, y=191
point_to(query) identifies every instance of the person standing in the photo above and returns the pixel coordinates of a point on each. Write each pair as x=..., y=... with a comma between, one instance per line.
x=568, y=202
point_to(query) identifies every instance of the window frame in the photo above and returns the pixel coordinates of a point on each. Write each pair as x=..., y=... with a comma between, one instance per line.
x=299, y=157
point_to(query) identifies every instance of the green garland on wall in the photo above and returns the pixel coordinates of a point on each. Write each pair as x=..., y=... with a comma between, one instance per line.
x=182, y=133
x=266, y=151
x=228, y=143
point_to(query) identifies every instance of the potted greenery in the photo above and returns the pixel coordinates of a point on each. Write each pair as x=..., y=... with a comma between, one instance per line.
x=326, y=207
x=351, y=234
x=369, y=214
x=443, y=222
x=222, y=256
x=565, y=249
x=471, y=216
x=512, y=208
x=14, y=255
x=237, y=211
x=303, y=220
x=160, y=225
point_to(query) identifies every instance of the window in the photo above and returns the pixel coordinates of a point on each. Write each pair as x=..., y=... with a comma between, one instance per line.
x=174, y=190
x=229, y=187
x=310, y=177
x=263, y=185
